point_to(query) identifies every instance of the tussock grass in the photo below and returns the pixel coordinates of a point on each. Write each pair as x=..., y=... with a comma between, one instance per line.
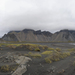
x=31, y=47
x=37, y=49
x=46, y=52
x=56, y=56
x=8, y=45
x=58, y=49
x=33, y=54
x=3, y=44
x=51, y=49
x=48, y=60
x=74, y=63
x=72, y=50
x=7, y=68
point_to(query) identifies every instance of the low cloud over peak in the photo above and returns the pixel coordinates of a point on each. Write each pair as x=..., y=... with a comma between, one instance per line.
x=51, y=15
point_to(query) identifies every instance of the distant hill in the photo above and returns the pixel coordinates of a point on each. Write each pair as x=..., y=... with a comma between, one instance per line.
x=30, y=35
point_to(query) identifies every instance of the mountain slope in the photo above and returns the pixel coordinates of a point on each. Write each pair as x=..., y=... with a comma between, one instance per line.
x=30, y=35
x=64, y=35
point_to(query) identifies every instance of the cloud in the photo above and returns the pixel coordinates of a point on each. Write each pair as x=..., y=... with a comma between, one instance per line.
x=51, y=15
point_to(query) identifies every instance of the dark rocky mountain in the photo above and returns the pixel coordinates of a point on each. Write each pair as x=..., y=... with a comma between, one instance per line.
x=30, y=35
x=64, y=35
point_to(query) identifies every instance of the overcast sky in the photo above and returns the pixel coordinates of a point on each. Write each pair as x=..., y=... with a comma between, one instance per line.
x=50, y=15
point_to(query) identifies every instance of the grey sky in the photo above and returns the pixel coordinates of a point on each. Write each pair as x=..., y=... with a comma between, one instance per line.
x=50, y=15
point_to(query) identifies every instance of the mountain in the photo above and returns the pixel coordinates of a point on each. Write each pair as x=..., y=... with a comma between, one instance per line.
x=64, y=35
x=30, y=35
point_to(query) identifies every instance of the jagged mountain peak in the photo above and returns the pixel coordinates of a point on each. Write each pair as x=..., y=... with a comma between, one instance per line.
x=28, y=35
x=46, y=36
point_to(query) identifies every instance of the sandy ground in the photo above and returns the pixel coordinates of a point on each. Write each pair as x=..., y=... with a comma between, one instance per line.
x=41, y=68
x=38, y=66
x=62, y=67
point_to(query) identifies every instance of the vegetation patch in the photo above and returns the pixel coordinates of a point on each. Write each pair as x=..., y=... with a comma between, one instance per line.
x=58, y=49
x=7, y=68
x=33, y=54
x=48, y=60
x=46, y=52
x=51, y=49
x=56, y=56
x=72, y=50
x=74, y=63
x=34, y=47
x=37, y=49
